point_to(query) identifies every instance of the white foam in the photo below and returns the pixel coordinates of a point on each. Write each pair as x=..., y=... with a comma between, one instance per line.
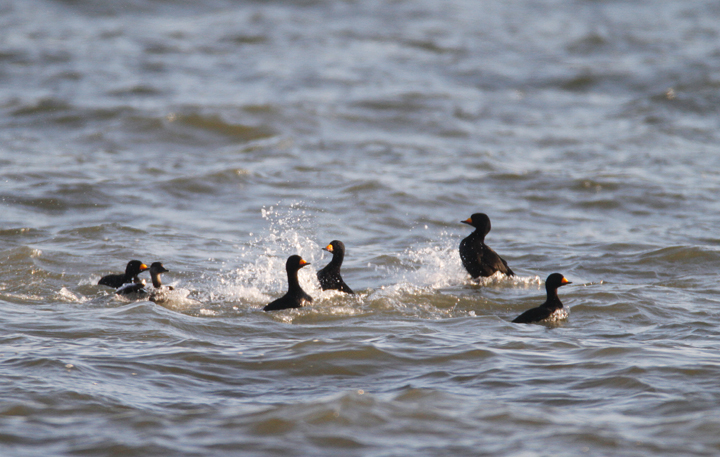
x=558, y=315
x=499, y=278
x=177, y=299
x=261, y=276
x=65, y=295
x=91, y=281
x=439, y=265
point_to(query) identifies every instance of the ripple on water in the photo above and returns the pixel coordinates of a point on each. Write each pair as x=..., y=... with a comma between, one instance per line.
x=213, y=183
x=377, y=123
x=217, y=125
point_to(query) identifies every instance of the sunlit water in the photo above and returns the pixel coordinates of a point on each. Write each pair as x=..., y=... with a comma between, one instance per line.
x=222, y=137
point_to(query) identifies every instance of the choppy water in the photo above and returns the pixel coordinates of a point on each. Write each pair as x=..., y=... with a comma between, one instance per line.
x=221, y=137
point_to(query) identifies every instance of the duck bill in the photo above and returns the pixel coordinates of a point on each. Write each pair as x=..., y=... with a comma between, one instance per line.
x=328, y=248
x=303, y=263
x=565, y=282
x=467, y=221
x=143, y=267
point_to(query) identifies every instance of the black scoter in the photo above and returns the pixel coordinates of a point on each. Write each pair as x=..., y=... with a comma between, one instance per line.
x=295, y=296
x=477, y=257
x=156, y=268
x=329, y=276
x=134, y=268
x=551, y=305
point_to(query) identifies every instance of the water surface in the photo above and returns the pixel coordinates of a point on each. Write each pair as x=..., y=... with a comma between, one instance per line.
x=221, y=138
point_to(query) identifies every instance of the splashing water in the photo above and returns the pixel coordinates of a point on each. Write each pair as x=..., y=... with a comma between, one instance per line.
x=261, y=276
x=65, y=295
x=410, y=284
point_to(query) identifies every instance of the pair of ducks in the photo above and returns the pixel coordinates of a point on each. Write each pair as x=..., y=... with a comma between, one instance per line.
x=329, y=278
x=477, y=258
x=480, y=260
x=128, y=283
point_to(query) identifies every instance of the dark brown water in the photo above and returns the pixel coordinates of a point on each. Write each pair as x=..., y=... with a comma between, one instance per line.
x=221, y=138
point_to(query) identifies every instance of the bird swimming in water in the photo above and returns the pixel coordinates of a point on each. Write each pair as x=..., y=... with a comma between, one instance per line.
x=552, y=305
x=133, y=269
x=160, y=292
x=329, y=276
x=295, y=296
x=477, y=257
x=156, y=268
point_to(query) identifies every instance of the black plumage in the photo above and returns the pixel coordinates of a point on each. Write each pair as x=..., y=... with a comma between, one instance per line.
x=295, y=296
x=551, y=305
x=132, y=288
x=477, y=257
x=329, y=276
x=138, y=288
x=133, y=268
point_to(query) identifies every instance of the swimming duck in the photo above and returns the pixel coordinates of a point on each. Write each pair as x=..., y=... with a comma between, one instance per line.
x=477, y=257
x=132, y=270
x=329, y=276
x=552, y=306
x=139, y=287
x=295, y=296
x=160, y=292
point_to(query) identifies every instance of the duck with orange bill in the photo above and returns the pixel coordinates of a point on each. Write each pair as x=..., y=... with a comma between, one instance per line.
x=132, y=270
x=295, y=296
x=138, y=288
x=329, y=276
x=477, y=257
x=552, y=309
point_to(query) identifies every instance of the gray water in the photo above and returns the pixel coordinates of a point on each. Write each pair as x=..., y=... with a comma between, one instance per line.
x=220, y=137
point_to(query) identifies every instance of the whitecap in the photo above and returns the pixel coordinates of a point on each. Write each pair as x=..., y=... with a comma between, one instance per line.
x=66, y=295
